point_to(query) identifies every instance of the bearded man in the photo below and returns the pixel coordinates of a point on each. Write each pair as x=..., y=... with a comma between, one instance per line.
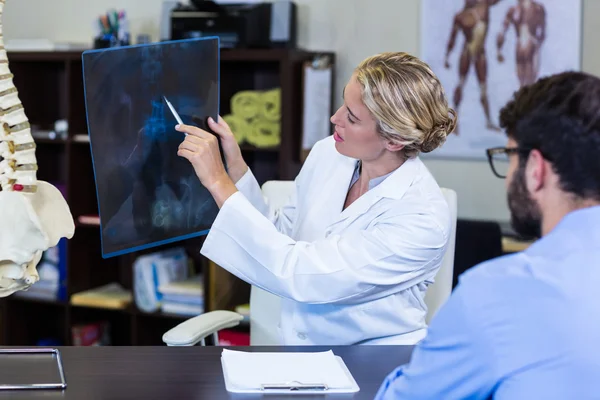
x=526, y=326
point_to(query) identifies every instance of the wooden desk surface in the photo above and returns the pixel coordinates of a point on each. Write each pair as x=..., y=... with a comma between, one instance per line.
x=187, y=373
x=512, y=245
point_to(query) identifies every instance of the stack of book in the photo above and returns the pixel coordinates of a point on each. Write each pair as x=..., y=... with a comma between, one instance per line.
x=112, y=296
x=183, y=297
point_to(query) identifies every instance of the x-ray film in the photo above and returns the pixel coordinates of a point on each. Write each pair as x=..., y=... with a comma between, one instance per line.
x=147, y=194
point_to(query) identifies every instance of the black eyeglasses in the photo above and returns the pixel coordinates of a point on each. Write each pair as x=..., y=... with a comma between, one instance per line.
x=498, y=158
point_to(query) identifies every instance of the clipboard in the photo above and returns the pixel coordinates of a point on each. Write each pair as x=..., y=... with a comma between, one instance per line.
x=295, y=388
x=317, y=82
x=26, y=356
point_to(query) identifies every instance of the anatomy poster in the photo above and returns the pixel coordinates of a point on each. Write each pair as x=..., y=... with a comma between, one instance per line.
x=484, y=50
x=147, y=194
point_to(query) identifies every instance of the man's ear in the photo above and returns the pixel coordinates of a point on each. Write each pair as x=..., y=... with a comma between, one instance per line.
x=536, y=171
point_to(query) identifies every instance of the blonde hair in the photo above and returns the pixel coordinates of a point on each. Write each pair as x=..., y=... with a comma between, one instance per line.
x=407, y=100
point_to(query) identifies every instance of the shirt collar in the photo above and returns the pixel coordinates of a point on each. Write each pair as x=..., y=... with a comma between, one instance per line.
x=373, y=182
x=583, y=217
x=577, y=229
x=394, y=184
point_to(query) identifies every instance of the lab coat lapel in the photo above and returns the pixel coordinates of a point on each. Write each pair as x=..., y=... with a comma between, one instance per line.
x=356, y=209
x=339, y=184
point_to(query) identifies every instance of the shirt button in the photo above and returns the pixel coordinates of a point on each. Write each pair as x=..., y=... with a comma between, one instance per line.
x=301, y=336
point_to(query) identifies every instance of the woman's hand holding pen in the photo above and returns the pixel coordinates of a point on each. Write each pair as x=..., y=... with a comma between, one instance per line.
x=201, y=149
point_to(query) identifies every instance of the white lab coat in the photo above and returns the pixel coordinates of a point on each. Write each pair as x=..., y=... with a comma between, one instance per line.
x=345, y=277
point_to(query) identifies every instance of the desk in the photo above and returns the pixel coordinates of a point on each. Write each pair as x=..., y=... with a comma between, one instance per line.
x=512, y=245
x=511, y=242
x=188, y=373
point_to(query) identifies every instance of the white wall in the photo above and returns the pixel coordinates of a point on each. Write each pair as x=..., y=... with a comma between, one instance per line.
x=75, y=20
x=354, y=29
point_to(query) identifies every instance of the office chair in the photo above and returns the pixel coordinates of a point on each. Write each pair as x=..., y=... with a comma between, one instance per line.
x=476, y=241
x=265, y=307
x=439, y=291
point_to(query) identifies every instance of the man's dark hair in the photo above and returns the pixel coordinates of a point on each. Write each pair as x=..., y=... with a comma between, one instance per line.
x=560, y=116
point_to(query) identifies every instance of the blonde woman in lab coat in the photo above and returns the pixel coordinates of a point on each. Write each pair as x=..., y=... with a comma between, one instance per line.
x=352, y=253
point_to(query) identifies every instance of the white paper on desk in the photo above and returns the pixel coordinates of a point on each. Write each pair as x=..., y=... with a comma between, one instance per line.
x=317, y=105
x=249, y=370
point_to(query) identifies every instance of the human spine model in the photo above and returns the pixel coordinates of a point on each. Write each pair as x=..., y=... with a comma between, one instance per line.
x=18, y=169
x=34, y=215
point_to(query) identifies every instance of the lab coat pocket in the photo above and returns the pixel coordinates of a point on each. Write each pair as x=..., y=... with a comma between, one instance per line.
x=280, y=333
x=331, y=323
x=416, y=296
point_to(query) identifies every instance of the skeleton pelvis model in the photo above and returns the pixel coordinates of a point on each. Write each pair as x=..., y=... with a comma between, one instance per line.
x=34, y=215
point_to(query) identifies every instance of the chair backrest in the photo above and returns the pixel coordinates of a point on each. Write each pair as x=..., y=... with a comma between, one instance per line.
x=476, y=241
x=439, y=291
x=265, y=307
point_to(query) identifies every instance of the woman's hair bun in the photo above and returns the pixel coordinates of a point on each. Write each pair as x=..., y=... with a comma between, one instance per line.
x=436, y=137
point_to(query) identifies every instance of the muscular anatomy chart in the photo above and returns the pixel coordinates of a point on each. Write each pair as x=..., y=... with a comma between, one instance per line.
x=473, y=22
x=484, y=50
x=529, y=21
x=147, y=195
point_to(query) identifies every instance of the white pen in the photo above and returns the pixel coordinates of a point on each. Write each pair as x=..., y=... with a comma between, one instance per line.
x=179, y=121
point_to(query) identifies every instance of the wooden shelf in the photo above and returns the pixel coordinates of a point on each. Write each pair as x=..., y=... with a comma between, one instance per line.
x=50, y=86
x=264, y=55
x=35, y=300
x=100, y=309
x=50, y=141
x=227, y=55
x=249, y=148
x=160, y=314
x=40, y=56
x=84, y=225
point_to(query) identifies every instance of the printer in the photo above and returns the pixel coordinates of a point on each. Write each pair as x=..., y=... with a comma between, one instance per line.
x=238, y=25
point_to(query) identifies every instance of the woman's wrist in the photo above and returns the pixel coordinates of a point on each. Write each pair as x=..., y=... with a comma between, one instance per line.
x=237, y=170
x=221, y=189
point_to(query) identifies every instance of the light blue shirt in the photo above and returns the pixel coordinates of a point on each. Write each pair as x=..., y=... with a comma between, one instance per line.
x=372, y=183
x=524, y=326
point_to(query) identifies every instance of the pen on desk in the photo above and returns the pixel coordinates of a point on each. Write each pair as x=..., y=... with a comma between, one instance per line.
x=179, y=121
x=295, y=388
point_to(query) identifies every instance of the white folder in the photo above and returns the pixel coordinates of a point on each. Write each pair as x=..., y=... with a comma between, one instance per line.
x=286, y=373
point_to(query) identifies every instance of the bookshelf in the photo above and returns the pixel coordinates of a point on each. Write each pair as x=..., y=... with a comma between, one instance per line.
x=50, y=86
